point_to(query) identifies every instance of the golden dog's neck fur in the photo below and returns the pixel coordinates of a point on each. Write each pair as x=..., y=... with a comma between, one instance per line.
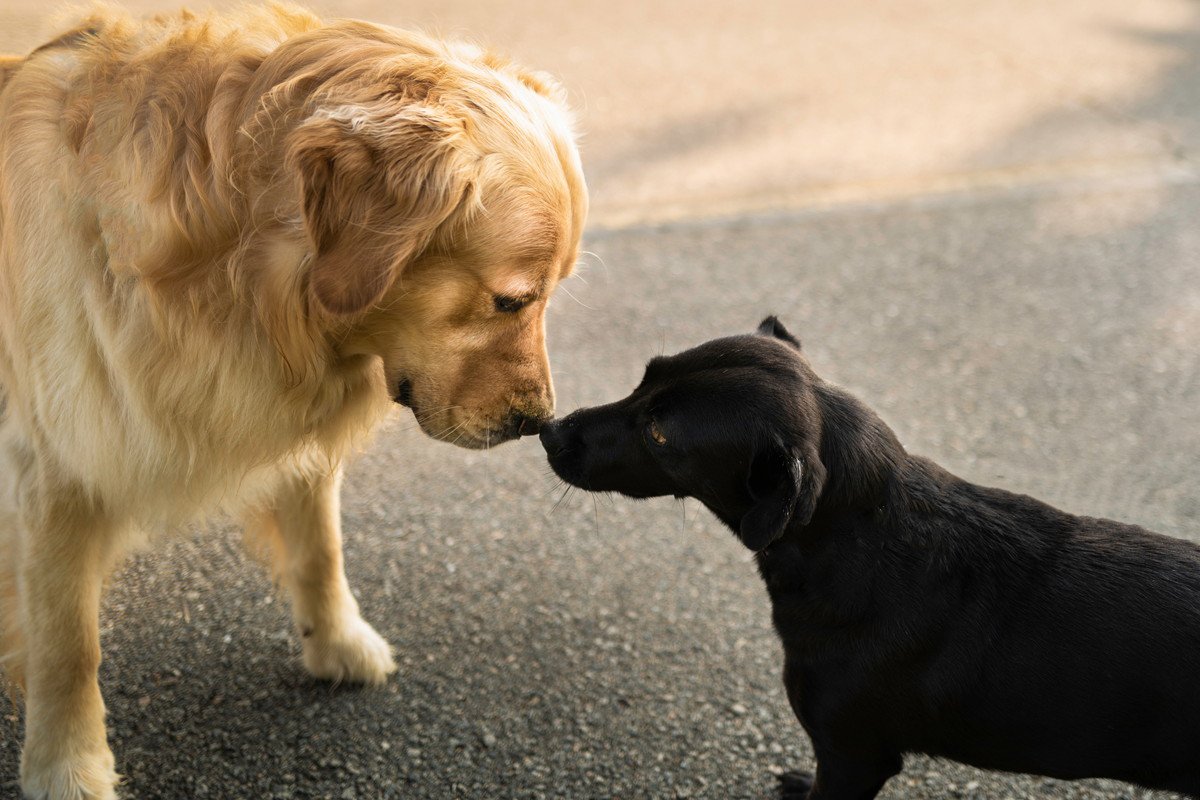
x=223, y=278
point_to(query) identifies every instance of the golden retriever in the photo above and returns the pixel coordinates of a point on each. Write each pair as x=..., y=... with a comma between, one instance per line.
x=226, y=244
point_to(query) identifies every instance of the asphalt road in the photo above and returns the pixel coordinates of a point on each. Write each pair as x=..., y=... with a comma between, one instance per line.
x=983, y=222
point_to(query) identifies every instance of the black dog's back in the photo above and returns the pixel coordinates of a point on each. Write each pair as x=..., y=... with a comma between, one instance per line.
x=918, y=612
x=1042, y=642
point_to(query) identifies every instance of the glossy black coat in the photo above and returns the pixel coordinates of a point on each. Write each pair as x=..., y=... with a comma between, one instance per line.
x=919, y=613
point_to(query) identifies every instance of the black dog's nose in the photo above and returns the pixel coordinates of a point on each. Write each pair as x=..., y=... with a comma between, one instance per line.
x=553, y=441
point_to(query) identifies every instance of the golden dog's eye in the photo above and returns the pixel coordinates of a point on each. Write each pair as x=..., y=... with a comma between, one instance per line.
x=655, y=432
x=509, y=305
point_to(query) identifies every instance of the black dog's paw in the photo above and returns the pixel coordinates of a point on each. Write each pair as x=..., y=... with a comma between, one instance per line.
x=794, y=785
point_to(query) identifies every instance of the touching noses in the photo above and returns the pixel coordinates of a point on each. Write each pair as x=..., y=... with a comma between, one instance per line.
x=519, y=423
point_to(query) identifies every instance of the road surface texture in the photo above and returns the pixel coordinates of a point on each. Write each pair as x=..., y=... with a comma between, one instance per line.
x=981, y=217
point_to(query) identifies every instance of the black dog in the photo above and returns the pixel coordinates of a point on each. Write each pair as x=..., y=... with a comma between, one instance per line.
x=919, y=613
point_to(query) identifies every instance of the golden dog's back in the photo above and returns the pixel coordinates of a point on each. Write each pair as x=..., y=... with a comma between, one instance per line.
x=105, y=169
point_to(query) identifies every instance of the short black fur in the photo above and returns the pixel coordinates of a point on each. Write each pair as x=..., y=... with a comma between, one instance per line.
x=919, y=613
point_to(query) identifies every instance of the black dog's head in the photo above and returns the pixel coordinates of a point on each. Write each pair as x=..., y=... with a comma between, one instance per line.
x=734, y=423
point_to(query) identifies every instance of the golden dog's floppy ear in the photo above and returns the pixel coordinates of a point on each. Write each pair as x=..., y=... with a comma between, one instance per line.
x=544, y=84
x=375, y=186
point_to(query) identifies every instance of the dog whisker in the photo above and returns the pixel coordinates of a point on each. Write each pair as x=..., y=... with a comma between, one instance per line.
x=576, y=299
x=599, y=260
x=459, y=438
x=566, y=492
x=425, y=416
x=461, y=423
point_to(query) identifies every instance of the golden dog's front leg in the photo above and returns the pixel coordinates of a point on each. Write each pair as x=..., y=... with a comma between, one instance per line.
x=66, y=755
x=303, y=529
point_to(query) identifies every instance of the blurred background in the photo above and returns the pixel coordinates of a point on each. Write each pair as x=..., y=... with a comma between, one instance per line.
x=979, y=216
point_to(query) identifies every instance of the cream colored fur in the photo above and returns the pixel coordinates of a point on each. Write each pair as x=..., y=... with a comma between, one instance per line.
x=225, y=243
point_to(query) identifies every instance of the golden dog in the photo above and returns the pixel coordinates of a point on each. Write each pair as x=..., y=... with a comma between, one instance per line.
x=226, y=243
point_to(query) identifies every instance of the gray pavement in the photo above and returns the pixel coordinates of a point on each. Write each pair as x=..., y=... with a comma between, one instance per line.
x=982, y=220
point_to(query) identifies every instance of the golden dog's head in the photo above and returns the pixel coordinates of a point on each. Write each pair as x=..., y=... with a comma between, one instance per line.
x=442, y=201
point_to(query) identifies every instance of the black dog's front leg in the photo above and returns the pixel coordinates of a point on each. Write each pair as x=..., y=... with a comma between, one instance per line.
x=840, y=778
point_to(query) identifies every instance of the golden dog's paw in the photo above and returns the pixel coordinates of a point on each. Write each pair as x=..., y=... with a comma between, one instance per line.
x=90, y=777
x=352, y=652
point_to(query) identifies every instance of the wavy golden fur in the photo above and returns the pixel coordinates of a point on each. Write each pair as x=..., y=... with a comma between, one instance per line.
x=226, y=242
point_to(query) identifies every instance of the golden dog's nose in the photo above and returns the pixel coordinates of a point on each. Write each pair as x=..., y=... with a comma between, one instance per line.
x=526, y=425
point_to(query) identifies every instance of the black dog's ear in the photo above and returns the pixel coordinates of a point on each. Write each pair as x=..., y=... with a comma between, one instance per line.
x=771, y=326
x=785, y=486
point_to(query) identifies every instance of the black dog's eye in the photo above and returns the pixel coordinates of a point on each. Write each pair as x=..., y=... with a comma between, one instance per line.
x=655, y=432
x=509, y=305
